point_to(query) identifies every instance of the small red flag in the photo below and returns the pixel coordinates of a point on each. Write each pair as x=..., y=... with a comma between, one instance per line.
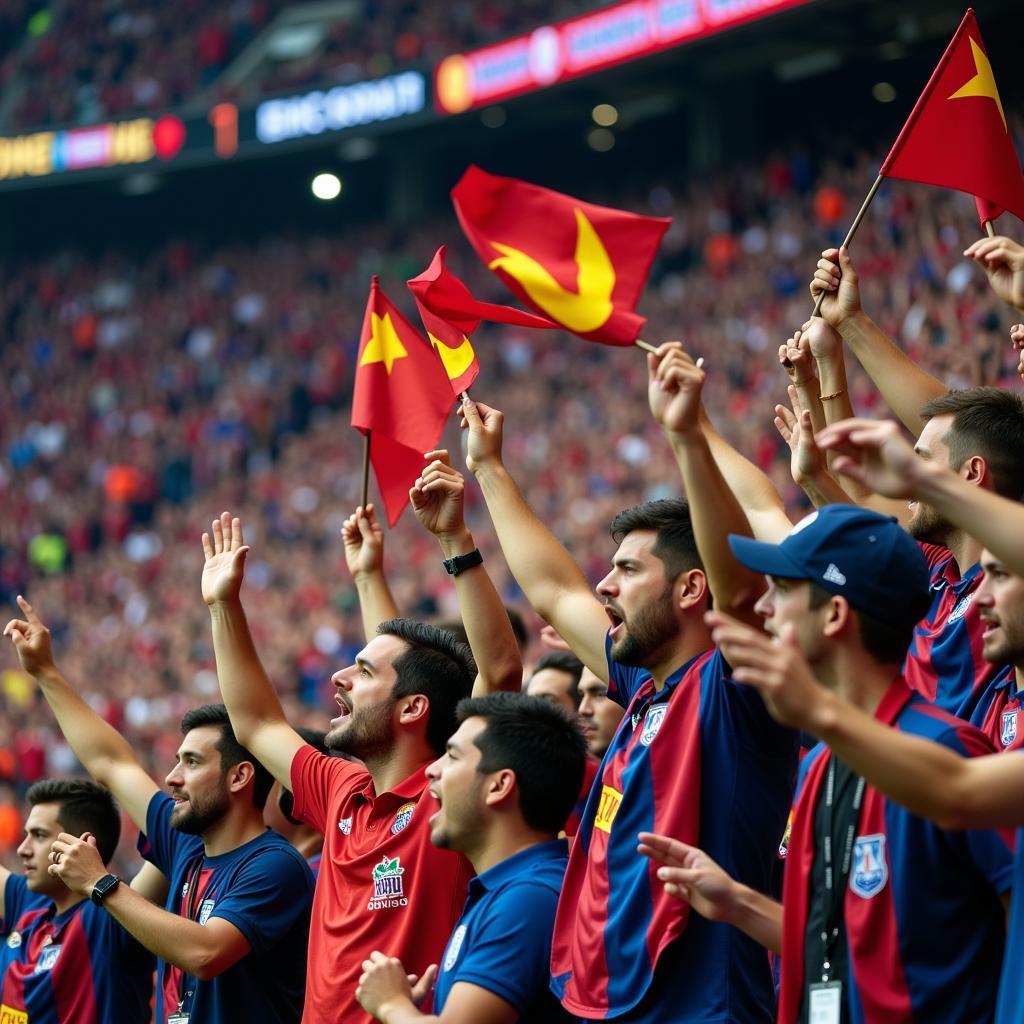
x=450, y=314
x=956, y=135
x=584, y=266
x=986, y=211
x=401, y=399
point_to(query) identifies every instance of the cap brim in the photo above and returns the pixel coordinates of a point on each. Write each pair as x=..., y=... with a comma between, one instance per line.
x=769, y=559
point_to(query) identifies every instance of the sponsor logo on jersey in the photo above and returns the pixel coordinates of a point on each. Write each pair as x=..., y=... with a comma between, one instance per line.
x=607, y=808
x=47, y=959
x=1008, y=733
x=9, y=1015
x=205, y=910
x=870, y=871
x=961, y=607
x=652, y=723
x=454, y=947
x=345, y=826
x=784, y=844
x=14, y=940
x=388, y=885
x=402, y=818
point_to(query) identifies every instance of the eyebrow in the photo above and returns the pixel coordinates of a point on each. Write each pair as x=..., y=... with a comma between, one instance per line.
x=452, y=745
x=182, y=754
x=365, y=663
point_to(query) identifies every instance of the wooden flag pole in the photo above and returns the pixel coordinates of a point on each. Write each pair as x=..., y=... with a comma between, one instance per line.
x=989, y=229
x=640, y=343
x=366, y=468
x=853, y=230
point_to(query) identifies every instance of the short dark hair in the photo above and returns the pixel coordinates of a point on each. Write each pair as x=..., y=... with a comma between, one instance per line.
x=886, y=642
x=563, y=661
x=988, y=422
x=541, y=744
x=82, y=806
x=435, y=665
x=231, y=751
x=669, y=518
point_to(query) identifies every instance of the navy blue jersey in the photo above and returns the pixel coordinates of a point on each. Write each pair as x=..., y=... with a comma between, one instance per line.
x=700, y=760
x=76, y=967
x=265, y=889
x=503, y=940
x=1010, y=1008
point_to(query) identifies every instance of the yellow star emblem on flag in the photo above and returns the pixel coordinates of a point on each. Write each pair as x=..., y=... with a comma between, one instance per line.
x=983, y=83
x=384, y=345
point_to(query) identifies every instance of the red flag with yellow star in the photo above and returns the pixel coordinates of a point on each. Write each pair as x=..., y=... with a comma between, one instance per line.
x=401, y=399
x=956, y=135
x=584, y=266
x=450, y=314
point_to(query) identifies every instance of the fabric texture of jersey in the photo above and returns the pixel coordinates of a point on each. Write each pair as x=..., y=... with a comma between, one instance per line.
x=382, y=885
x=503, y=940
x=700, y=760
x=591, y=766
x=997, y=713
x=76, y=967
x=945, y=663
x=1010, y=1006
x=264, y=889
x=924, y=925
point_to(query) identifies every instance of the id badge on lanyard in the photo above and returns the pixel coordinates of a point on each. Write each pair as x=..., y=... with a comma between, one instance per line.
x=825, y=1003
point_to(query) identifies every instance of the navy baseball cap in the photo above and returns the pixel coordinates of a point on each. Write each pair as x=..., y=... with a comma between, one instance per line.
x=853, y=552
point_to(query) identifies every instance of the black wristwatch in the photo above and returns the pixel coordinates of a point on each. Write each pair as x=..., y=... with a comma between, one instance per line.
x=460, y=563
x=103, y=888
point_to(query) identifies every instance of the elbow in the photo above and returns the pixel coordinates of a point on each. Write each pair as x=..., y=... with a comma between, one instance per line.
x=955, y=807
x=206, y=964
x=738, y=602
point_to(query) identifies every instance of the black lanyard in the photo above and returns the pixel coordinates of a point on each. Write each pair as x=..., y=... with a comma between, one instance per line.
x=835, y=882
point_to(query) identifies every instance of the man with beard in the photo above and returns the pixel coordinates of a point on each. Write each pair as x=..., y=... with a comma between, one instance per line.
x=503, y=788
x=695, y=751
x=231, y=942
x=977, y=432
x=382, y=884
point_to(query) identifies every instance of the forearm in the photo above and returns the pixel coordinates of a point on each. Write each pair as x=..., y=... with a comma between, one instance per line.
x=715, y=513
x=901, y=382
x=499, y=664
x=247, y=690
x=376, y=602
x=758, y=916
x=179, y=941
x=402, y=1010
x=832, y=375
x=823, y=489
x=95, y=742
x=756, y=494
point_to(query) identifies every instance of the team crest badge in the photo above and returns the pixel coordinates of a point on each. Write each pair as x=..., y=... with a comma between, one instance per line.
x=652, y=723
x=961, y=608
x=205, y=910
x=451, y=957
x=345, y=826
x=402, y=818
x=14, y=940
x=870, y=870
x=47, y=959
x=1008, y=733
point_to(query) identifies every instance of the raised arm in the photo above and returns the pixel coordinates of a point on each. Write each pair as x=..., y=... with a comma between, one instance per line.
x=363, y=538
x=691, y=875
x=674, y=394
x=257, y=717
x=105, y=754
x=437, y=502
x=1002, y=259
x=927, y=778
x=875, y=453
x=901, y=382
x=552, y=582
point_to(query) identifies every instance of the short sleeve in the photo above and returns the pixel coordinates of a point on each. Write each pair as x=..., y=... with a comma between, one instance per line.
x=163, y=843
x=270, y=892
x=315, y=777
x=511, y=950
x=623, y=680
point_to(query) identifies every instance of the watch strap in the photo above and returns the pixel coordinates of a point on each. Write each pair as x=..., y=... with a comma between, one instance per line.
x=460, y=563
x=103, y=888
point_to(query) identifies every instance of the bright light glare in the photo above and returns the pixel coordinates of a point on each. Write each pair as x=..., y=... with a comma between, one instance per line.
x=605, y=115
x=326, y=186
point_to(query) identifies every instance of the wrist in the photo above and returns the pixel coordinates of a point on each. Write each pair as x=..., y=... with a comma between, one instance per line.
x=853, y=325
x=489, y=468
x=458, y=542
x=687, y=437
x=390, y=1009
x=366, y=577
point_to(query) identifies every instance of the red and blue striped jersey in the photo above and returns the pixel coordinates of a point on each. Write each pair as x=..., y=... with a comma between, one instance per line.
x=700, y=760
x=1010, y=1007
x=591, y=766
x=264, y=889
x=997, y=712
x=76, y=967
x=924, y=926
x=945, y=662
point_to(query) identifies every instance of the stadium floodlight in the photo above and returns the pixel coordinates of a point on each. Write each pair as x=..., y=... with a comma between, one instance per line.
x=326, y=186
x=605, y=115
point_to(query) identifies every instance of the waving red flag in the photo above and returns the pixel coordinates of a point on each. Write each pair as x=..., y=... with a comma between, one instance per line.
x=450, y=314
x=956, y=135
x=584, y=266
x=400, y=401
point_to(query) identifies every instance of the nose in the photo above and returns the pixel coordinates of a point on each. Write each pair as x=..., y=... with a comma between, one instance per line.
x=25, y=850
x=607, y=588
x=586, y=708
x=433, y=770
x=342, y=679
x=175, y=779
x=764, y=605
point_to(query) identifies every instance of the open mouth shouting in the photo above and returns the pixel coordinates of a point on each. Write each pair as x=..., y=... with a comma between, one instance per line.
x=615, y=618
x=346, y=709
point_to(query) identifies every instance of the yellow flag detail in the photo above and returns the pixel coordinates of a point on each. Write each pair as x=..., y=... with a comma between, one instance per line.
x=456, y=360
x=583, y=310
x=983, y=83
x=384, y=345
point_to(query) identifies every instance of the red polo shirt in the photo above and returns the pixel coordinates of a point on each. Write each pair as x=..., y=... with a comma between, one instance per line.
x=382, y=884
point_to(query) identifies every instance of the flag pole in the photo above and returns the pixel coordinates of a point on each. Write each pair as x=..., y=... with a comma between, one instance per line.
x=640, y=343
x=989, y=229
x=853, y=230
x=366, y=467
